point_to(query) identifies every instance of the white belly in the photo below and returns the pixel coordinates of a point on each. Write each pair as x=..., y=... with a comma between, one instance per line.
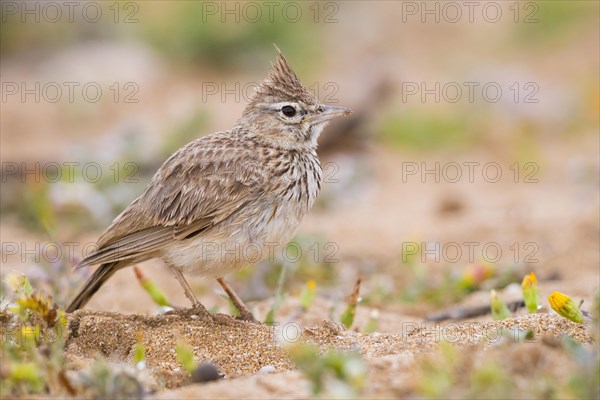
x=217, y=254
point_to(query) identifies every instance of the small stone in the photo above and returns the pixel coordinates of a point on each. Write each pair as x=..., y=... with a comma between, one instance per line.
x=267, y=369
x=206, y=372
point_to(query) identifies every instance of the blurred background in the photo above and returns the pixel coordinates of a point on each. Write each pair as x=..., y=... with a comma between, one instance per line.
x=471, y=157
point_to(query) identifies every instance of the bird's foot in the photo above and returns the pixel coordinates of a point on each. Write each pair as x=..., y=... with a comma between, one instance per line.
x=244, y=312
x=197, y=311
x=246, y=315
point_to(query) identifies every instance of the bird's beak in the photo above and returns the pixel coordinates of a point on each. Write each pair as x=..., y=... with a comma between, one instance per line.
x=327, y=113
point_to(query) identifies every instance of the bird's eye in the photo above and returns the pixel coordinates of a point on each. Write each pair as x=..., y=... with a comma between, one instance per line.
x=288, y=111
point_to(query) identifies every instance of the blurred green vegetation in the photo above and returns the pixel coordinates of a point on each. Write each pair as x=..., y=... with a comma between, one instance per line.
x=184, y=132
x=186, y=31
x=33, y=330
x=45, y=202
x=309, y=259
x=413, y=281
x=32, y=358
x=547, y=21
x=182, y=31
x=36, y=36
x=32, y=206
x=457, y=372
x=420, y=130
x=335, y=374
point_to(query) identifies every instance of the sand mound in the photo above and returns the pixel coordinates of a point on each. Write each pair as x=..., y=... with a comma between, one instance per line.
x=240, y=349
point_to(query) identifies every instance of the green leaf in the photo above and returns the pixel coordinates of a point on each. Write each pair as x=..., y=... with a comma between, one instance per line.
x=156, y=294
x=308, y=294
x=140, y=353
x=347, y=318
x=279, y=297
x=28, y=373
x=372, y=323
x=531, y=293
x=499, y=309
x=185, y=356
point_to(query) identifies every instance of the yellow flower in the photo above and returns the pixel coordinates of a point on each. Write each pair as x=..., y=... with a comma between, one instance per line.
x=565, y=306
x=530, y=280
x=30, y=333
x=531, y=292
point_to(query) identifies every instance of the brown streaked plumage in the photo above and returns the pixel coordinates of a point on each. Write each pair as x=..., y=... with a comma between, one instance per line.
x=226, y=199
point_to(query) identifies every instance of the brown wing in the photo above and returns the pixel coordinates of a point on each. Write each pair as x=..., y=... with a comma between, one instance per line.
x=199, y=186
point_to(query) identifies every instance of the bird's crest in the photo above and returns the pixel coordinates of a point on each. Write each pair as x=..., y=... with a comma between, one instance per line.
x=282, y=84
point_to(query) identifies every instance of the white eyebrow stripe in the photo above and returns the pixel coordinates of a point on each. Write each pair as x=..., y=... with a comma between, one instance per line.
x=277, y=106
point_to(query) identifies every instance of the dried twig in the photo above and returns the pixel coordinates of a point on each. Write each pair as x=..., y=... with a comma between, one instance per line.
x=469, y=312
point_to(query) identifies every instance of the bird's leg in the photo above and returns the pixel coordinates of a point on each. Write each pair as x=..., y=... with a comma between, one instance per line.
x=189, y=293
x=245, y=313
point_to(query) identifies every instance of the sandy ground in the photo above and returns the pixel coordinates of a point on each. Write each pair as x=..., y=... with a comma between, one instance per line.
x=370, y=225
x=240, y=349
x=371, y=211
x=559, y=214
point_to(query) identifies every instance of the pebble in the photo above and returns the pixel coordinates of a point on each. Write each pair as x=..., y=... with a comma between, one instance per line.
x=206, y=372
x=267, y=369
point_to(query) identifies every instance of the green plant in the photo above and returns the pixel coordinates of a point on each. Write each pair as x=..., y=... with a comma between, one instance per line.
x=308, y=294
x=499, y=309
x=335, y=374
x=185, y=356
x=436, y=376
x=157, y=295
x=565, y=307
x=34, y=329
x=280, y=296
x=584, y=381
x=104, y=381
x=531, y=293
x=139, y=352
x=372, y=323
x=347, y=318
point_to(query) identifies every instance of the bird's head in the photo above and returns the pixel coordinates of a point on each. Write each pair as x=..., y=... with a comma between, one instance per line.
x=284, y=113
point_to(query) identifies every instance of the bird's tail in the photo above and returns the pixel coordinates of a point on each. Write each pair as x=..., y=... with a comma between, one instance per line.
x=92, y=285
